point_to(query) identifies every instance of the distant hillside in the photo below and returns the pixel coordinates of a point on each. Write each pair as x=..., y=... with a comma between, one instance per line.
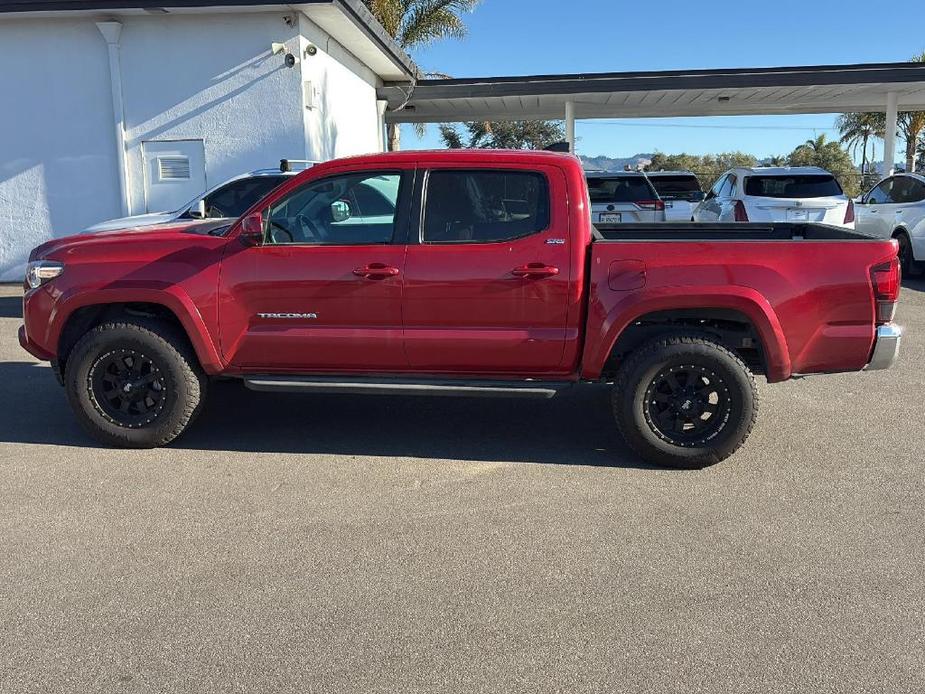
x=603, y=163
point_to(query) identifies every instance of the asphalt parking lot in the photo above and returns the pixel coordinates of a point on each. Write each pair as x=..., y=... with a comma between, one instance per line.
x=350, y=544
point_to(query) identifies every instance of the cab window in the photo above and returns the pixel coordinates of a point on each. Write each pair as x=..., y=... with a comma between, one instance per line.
x=351, y=209
x=484, y=206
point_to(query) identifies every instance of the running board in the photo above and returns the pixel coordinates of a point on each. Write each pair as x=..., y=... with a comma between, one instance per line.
x=395, y=386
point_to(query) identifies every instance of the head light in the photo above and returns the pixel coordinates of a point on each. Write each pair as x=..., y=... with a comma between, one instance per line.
x=40, y=271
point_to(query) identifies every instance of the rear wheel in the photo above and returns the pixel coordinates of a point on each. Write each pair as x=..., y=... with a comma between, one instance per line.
x=684, y=401
x=906, y=258
x=134, y=384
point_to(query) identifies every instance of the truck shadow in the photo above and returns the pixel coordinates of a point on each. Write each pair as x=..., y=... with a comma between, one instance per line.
x=10, y=307
x=573, y=429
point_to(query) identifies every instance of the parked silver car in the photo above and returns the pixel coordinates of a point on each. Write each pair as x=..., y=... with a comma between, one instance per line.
x=895, y=208
x=623, y=197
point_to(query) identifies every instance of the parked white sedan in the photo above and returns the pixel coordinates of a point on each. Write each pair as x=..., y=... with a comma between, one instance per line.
x=787, y=194
x=895, y=208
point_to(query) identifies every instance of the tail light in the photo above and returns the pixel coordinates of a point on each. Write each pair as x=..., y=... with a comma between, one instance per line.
x=740, y=214
x=656, y=205
x=849, y=213
x=885, y=279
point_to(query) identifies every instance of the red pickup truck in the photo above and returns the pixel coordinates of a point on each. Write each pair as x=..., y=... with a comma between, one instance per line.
x=457, y=273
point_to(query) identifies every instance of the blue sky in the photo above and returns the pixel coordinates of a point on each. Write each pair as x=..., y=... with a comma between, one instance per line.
x=519, y=37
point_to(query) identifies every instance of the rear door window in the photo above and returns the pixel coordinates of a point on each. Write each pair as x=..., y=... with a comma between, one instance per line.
x=676, y=187
x=484, y=206
x=797, y=186
x=622, y=189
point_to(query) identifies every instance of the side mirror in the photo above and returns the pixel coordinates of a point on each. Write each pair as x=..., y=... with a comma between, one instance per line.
x=340, y=211
x=198, y=210
x=252, y=229
x=698, y=196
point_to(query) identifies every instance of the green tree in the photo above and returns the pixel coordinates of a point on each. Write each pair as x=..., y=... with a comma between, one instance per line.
x=521, y=134
x=708, y=167
x=859, y=129
x=417, y=23
x=911, y=126
x=831, y=157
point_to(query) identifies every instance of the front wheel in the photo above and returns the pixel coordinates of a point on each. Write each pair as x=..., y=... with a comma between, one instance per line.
x=684, y=401
x=134, y=384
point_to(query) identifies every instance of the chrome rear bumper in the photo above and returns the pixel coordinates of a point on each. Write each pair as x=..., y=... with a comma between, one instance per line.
x=886, y=347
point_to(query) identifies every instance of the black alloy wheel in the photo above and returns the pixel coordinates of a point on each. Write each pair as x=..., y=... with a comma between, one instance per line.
x=127, y=387
x=687, y=405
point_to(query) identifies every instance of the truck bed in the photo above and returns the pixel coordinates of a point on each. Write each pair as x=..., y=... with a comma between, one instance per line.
x=690, y=231
x=806, y=288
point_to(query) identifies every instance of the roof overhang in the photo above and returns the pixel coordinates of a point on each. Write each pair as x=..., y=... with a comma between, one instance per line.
x=349, y=22
x=728, y=92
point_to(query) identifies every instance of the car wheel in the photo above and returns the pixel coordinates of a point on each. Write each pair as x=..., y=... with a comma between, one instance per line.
x=906, y=260
x=134, y=384
x=684, y=401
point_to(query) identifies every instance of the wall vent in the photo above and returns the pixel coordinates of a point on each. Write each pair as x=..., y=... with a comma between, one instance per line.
x=173, y=168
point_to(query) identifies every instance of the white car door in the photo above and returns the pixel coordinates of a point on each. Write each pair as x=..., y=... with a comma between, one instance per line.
x=876, y=212
x=709, y=210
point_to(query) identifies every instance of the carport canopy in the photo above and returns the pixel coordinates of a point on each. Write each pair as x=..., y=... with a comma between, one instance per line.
x=884, y=87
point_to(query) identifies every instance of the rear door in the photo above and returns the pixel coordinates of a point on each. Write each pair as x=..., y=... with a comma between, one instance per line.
x=323, y=290
x=487, y=272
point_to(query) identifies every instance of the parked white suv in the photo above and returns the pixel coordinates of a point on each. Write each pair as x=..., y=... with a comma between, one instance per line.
x=623, y=197
x=786, y=194
x=679, y=190
x=895, y=208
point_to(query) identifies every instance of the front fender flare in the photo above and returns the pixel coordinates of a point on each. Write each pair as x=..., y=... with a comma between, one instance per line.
x=170, y=297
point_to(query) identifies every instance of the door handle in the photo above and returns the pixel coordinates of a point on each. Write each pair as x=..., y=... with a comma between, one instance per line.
x=376, y=271
x=535, y=271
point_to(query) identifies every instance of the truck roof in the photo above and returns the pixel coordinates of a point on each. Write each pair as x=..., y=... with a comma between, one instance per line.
x=524, y=156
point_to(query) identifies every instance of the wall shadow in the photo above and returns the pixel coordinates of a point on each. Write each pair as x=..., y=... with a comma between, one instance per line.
x=575, y=428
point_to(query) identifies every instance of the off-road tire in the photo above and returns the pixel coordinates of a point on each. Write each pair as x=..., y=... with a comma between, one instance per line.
x=635, y=378
x=180, y=378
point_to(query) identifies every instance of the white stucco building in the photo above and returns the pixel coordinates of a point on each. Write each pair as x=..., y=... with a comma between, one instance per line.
x=113, y=108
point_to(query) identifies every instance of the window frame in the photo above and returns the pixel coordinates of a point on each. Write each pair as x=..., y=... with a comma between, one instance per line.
x=400, y=225
x=422, y=188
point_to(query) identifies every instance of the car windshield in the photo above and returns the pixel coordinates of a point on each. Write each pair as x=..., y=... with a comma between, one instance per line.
x=676, y=187
x=805, y=186
x=620, y=189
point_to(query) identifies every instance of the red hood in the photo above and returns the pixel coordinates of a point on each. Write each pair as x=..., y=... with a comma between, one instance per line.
x=154, y=232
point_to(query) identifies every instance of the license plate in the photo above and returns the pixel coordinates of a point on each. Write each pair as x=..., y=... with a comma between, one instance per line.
x=799, y=215
x=611, y=218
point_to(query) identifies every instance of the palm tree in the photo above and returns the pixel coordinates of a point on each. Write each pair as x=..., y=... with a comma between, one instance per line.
x=858, y=129
x=417, y=23
x=911, y=124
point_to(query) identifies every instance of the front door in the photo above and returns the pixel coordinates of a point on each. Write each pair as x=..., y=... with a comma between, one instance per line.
x=323, y=291
x=876, y=214
x=487, y=276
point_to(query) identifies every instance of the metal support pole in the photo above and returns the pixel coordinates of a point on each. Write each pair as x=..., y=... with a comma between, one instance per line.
x=570, y=125
x=889, y=141
x=111, y=31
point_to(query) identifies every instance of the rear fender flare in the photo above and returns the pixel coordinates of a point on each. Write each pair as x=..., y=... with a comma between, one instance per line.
x=742, y=299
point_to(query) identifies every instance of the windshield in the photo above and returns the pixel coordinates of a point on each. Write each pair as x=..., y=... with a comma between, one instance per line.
x=622, y=189
x=234, y=198
x=808, y=186
x=676, y=187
